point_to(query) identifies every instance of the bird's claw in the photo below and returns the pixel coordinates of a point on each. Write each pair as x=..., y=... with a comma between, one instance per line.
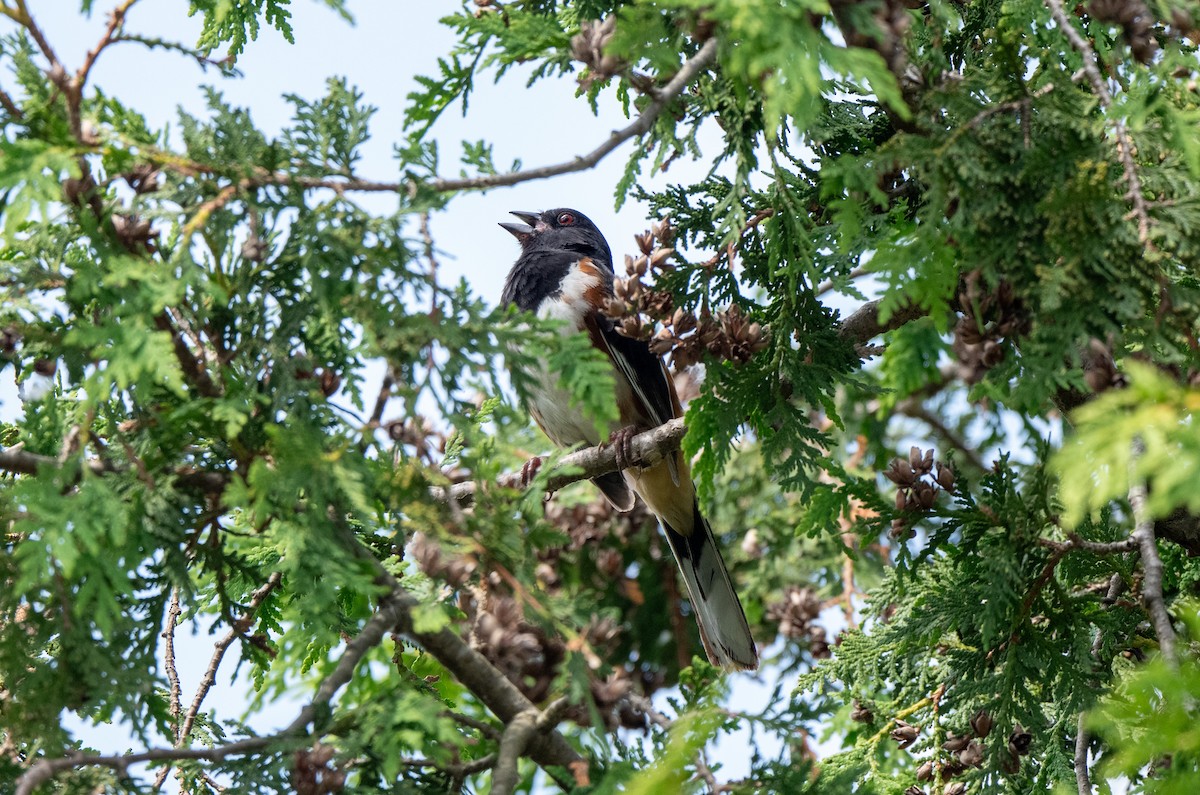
x=529, y=470
x=621, y=441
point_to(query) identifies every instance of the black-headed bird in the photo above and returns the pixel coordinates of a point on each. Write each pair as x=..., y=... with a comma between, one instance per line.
x=565, y=271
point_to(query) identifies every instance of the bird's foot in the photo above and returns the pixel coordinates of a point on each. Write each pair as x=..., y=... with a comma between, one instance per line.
x=621, y=441
x=529, y=470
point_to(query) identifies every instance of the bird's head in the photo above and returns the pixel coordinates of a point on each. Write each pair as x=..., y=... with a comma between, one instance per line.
x=562, y=229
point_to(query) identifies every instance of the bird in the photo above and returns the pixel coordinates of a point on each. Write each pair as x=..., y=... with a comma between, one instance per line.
x=565, y=271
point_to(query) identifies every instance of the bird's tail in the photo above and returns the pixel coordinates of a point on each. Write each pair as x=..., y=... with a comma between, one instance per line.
x=723, y=627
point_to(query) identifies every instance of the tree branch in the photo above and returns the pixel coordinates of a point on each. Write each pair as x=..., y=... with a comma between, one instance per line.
x=19, y=13
x=391, y=612
x=47, y=769
x=912, y=407
x=176, y=692
x=641, y=125
x=17, y=460
x=474, y=672
x=1082, y=780
x=521, y=730
x=221, y=646
x=863, y=323
x=168, y=634
x=9, y=106
x=1141, y=210
x=192, y=365
x=456, y=770
x=116, y=19
x=1152, y=566
x=649, y=448
x=1075, y=541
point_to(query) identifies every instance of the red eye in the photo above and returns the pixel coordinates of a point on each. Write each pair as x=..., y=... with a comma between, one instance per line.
x=565, y=219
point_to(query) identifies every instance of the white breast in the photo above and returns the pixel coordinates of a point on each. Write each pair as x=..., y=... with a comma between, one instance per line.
x=571, y=305
x=553, y=407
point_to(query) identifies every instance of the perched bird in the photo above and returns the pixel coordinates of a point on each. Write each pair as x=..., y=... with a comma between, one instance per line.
x=565, y=271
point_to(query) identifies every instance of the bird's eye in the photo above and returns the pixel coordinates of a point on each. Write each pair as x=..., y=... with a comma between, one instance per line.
x=565, y=219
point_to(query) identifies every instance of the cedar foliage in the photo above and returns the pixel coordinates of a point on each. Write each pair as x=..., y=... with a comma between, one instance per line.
x=1017, y=180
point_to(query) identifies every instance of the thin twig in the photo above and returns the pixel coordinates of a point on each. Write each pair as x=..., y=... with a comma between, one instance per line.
x=1025, y=104
x=19, y=13
x=639, y=126
x=431, y=256
x=381, y=400
x=392, y=611
x=116, y=20
x=173, y=613
x=193, y=366
x=219, y=649
x=706, y=775
x=731, y=249
x=1124, y=143
x=916, y=409
x=703, y=771
x=1115, y=584
x=826, y=287
x=484, y=728
x=47, y=769
x=458, y=770
x=205, y=210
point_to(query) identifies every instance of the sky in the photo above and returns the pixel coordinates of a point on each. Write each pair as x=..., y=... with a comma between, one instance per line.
x=389, y=43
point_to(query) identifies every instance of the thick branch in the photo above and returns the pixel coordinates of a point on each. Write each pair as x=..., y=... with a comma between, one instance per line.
x=471, y=668
x=47, y=769
x=649, y=448
x=516, y=738
x=496, y=692
x=18, y=461
x=1152, y=566
x=863, y=323
x=1083, y=781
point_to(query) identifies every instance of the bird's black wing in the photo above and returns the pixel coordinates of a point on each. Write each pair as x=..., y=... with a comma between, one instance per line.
x=643, y=370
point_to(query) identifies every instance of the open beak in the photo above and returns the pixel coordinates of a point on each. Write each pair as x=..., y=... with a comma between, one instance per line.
x=522, y=231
